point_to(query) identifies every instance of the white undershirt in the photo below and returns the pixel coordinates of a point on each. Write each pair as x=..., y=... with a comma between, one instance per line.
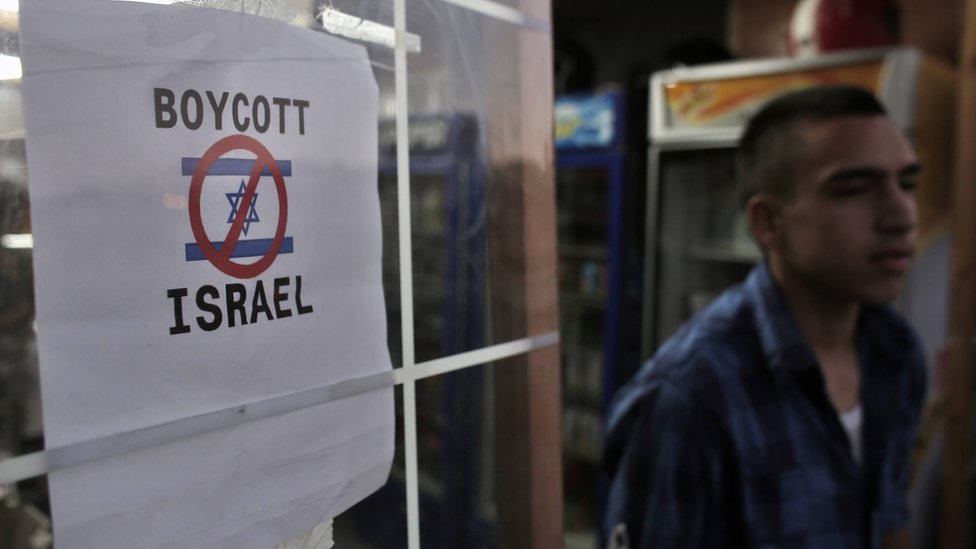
x=852, y=420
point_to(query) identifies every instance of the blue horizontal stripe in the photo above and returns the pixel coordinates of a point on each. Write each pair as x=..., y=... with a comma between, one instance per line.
x=245, y=248
x=233, y=166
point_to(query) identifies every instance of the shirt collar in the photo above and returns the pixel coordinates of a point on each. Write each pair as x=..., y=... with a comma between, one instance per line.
x=785, y=350
x=881, y=332
x=885, y=338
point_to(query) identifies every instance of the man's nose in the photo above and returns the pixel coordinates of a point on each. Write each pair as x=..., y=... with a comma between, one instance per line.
x=897, y=211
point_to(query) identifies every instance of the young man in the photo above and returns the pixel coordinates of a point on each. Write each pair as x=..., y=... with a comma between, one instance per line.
x=783, y=414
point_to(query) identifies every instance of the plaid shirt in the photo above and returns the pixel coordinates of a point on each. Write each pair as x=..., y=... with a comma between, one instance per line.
x=727, y=437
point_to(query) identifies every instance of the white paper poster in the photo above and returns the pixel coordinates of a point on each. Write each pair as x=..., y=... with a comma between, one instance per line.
x=207, y=234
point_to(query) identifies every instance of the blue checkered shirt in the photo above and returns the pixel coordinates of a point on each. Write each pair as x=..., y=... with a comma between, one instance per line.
x=727, y=437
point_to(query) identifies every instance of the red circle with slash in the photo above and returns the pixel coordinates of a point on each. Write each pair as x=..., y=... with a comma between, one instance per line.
x=221, y=259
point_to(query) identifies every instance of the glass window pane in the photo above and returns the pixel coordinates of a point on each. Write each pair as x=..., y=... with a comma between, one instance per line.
x=469, y=179
x=475, y=164
x=21, y=428
x=456, y=445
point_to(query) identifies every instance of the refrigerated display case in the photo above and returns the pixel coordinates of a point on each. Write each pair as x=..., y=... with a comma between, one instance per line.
x=448, y=226
x=697, y=243
x=448, y=216
x=598, y=309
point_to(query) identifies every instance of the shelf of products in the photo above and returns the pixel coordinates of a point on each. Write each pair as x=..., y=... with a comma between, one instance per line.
x=597, y=214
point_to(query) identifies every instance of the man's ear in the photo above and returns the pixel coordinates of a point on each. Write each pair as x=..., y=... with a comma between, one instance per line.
x=763, y=215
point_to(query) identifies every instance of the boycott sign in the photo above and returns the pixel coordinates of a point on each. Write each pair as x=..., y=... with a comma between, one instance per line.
x=207, y=237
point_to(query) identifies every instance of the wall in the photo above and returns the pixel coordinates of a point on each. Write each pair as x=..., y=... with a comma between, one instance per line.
x=624, y=41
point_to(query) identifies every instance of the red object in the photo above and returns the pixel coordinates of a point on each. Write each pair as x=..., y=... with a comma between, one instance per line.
x=828, y=25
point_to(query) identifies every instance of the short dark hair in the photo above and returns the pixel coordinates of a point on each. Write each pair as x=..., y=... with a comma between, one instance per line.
x=766, y=155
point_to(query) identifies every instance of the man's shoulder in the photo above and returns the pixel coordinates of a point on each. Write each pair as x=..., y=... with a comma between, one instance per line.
x=717, y=348
x=895, y=360
x=679, y=387
x=718, y=341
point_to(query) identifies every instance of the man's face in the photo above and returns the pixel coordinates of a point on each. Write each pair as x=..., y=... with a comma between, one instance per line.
x=848, y=232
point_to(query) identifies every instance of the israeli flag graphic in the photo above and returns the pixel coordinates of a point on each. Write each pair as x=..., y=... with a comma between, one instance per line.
x=254, y=247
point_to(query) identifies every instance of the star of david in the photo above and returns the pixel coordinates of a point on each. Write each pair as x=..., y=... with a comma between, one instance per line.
x=235, y=199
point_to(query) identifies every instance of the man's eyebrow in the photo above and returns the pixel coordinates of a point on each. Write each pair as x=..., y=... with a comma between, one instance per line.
x=859, y=172
x=863, y=172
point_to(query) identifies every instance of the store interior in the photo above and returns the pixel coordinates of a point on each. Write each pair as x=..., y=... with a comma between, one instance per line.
x=649, y=228
x=620, y=292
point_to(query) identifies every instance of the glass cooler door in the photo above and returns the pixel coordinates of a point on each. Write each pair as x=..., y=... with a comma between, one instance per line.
x=703, y=243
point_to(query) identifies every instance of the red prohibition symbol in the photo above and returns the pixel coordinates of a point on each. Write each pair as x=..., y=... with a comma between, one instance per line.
x=221, y=259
